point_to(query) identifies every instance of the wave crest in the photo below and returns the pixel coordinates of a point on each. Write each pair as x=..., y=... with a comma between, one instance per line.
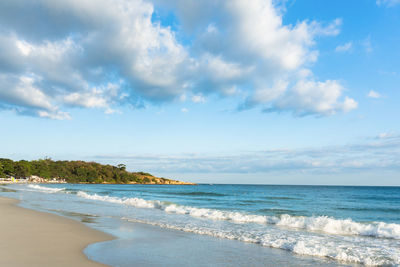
x=301, y=245
x=321, y=224
x=45, y=189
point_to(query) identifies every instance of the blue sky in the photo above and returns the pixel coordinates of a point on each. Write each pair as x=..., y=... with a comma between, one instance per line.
x=272, y=92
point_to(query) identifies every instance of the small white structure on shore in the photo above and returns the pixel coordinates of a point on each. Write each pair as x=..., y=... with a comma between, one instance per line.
x=31, y=179
x=36, y=179
x=11, y=179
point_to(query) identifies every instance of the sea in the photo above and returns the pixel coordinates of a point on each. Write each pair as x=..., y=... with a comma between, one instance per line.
x=228, y=225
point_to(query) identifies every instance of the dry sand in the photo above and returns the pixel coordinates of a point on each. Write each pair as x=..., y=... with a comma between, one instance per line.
x=32, y=238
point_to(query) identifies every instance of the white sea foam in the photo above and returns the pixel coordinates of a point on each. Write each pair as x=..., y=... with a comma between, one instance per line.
x=320, y=224
x=45, y=189
x=136, y=202
x=340, y=249
x=341, y=227
x=345, y=241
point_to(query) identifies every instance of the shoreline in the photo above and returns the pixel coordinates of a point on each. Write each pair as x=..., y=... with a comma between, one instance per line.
x=33, y=238
x=131, y=183
x=145, y=236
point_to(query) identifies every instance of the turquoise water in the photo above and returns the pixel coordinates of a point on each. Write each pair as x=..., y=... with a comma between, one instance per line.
x=347, y=225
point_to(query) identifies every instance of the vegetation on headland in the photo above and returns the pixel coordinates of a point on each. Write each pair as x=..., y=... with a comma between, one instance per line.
x=78, y=172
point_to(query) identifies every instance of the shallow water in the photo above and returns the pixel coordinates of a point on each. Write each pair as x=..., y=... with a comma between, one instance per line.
x=325, y=224
x=146, y=245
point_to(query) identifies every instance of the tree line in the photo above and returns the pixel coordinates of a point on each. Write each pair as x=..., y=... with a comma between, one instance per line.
x=75, y=171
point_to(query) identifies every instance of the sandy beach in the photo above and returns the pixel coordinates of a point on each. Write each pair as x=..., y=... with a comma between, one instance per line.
x=32, y=238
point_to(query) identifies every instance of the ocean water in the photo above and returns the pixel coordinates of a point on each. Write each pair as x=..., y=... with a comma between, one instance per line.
x=256, y=225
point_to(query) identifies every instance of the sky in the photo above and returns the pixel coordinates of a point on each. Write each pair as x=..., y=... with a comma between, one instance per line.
x=211, y=91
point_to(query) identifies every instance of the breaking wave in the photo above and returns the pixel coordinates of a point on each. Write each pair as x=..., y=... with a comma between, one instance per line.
x=270, y=225
x=45, y=189
x=322, y=224
x=308, y=245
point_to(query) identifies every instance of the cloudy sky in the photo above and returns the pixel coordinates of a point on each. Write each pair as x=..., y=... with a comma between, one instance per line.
x=239, y=91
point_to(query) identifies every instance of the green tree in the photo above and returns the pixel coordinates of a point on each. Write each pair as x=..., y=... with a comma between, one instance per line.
x=2, y=174
x=41, y=168
x=8, y=166
x=73, y=171
x=122, y=167
x=22, y=169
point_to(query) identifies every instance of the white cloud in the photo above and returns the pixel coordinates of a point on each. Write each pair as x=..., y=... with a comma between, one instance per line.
x=373, y=94
x=237, y=47
x=388, y=135
x=184, y=110
x=309, y=96
x=198, y=99
x=222, y=70
x=345, y=47
x=90, y=100
x=90, y=44
x=102, y=97
x=367, y=45
x=265, y=95
x=332, y=29
x=389, y=3
x=57, y=115
x=255, y=51
x=21, y=95
x=24, y=47
x=381, y=154
x=211, y=28
x=349, y=104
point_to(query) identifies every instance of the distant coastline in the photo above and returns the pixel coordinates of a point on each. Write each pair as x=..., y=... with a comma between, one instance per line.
x=79, y=172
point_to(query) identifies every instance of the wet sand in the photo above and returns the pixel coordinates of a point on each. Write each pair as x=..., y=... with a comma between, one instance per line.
x=32, y=238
